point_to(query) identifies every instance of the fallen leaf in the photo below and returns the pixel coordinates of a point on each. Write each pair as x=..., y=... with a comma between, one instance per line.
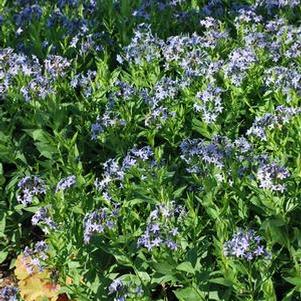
x=35, y=286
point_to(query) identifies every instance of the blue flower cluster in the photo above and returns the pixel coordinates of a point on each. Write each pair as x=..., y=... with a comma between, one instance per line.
x=213, y=152
x=33, y=258
x=281, y=116
x=209, y=103
x=270, y=175
x=220, y=152
x=239, y=62
x=115, y=172
x=285, y=79
x=117, y=287
x=246, y=245
x=163, y=227
x=8, y=293
x=122, y=290
x=84, y=83
x=40, y=77
x=65, y=183
x=99, y=221
x=29, y=187
x=170, y=113
x=28, y=14
x=42, y=218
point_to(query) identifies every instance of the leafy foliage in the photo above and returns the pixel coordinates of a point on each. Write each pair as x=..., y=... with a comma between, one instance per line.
x=149, y=150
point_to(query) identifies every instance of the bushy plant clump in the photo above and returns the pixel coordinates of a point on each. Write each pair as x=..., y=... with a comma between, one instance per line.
x=150, y=150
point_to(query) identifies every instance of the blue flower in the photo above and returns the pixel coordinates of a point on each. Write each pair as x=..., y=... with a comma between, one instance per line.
x=65, y=183
x=160, y=230
x=8, y=293
x=116, y=286
x=28, y=14
x=209, y=103
x=244, y=244
x=239, y=62
x=270, y=176
x=99, y=221
x=42, y=217
x=30, y=186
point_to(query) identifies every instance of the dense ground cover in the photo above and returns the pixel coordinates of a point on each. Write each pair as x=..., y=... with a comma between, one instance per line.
x=150, y=150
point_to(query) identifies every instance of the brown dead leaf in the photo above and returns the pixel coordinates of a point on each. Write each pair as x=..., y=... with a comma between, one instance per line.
x=21, y=271
x=36, y=286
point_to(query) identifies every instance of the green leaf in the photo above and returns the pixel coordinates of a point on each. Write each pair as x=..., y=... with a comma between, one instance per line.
x=188, y=294
x=38, y=135
x=32, y=209
x=122, y=260
x=179, y=192
x=201, y=128
x=221, y=281
x=138, y=201
x=2, y=223
x=186, y=267
x=78, y=210
x=164, y=268
x=3, y=256
x=214, y=296
x=294, y=280
x=268, y=290
x=164, y=279
x=46, y=150
x=144, y=276
x=73, y=264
